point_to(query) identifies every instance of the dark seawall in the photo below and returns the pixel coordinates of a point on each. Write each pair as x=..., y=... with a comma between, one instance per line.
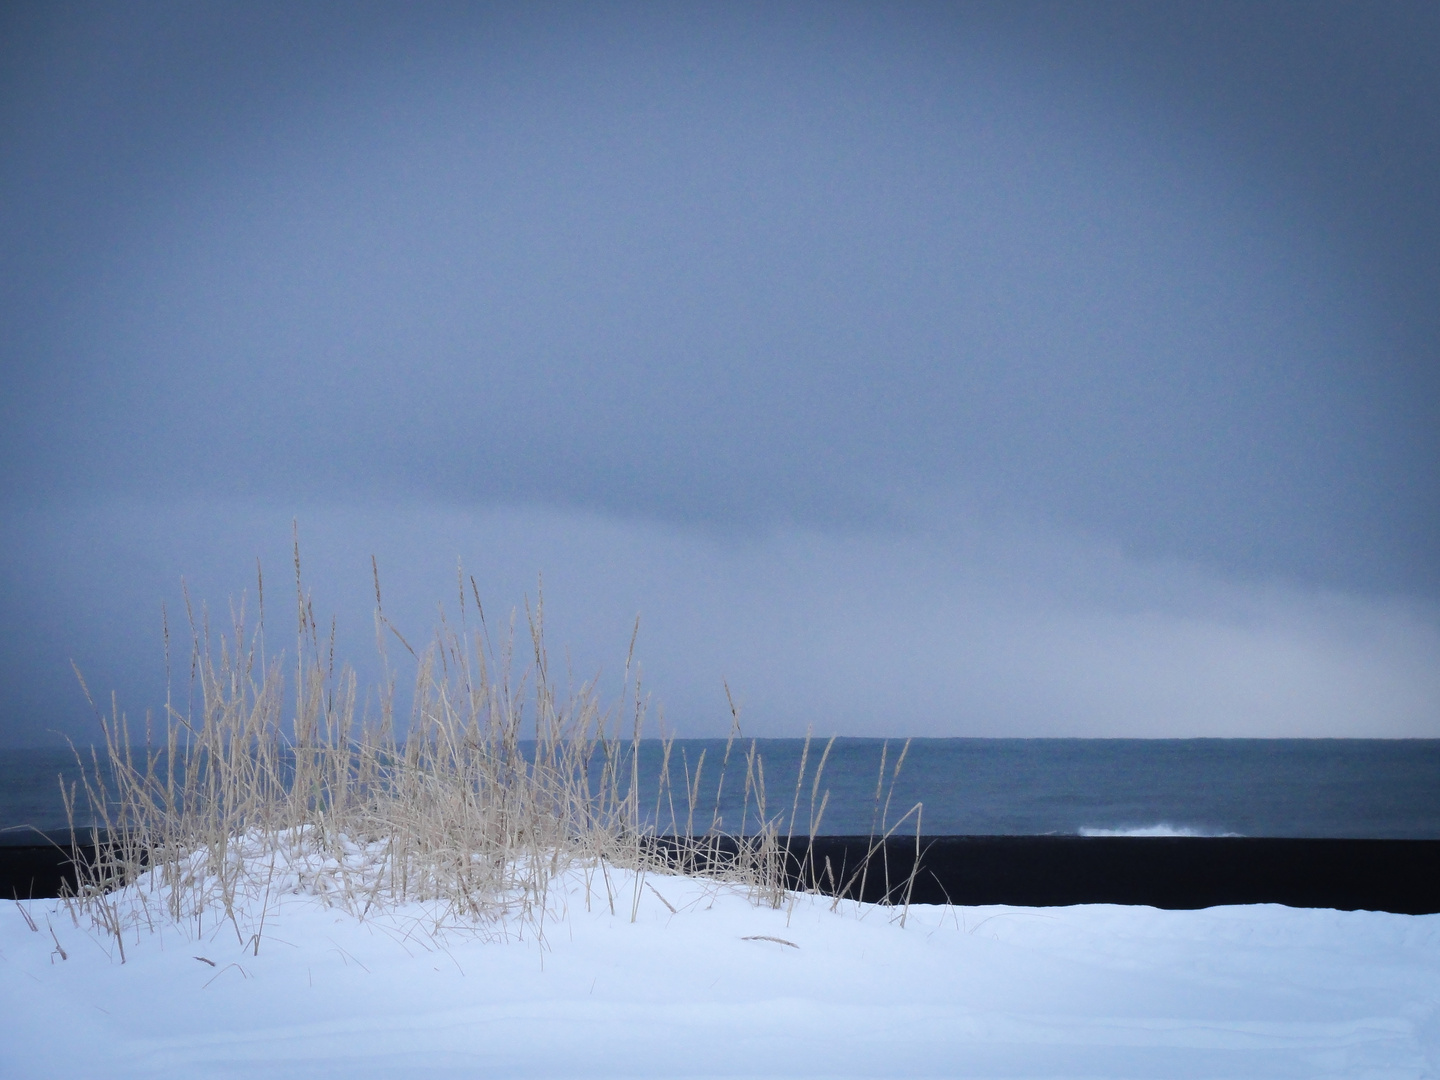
x=34, y=871
x=1400, y=876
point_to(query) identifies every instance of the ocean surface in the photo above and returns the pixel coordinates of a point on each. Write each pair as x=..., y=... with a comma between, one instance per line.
x=1362, y=788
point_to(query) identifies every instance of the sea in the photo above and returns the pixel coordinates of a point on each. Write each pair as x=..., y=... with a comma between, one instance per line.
x=1329, y=788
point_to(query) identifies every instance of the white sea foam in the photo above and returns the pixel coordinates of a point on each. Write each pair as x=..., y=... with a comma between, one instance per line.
x=1161, y=830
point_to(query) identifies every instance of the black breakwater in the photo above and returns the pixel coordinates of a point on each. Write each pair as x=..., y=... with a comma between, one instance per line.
x=1166, y=872
x=1179, y=873
x=34, y=871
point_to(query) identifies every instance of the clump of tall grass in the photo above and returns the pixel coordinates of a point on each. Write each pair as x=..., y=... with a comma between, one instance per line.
x=278, y=778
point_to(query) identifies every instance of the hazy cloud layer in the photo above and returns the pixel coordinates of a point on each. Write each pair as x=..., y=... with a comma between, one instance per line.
x=998, y=632
x=955, y=368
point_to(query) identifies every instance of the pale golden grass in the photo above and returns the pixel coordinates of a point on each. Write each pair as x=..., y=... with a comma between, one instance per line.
x=279, y=779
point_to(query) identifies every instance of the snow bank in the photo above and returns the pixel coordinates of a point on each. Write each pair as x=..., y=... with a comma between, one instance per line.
x=613, y=982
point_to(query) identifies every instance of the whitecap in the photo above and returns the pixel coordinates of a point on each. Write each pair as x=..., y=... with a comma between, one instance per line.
x=1159, y=830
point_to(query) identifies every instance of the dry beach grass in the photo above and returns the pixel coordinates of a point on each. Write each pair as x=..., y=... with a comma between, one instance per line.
x=281, y=779
x=292, y=883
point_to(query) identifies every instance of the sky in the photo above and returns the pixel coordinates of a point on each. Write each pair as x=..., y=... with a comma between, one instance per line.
x=912, y=369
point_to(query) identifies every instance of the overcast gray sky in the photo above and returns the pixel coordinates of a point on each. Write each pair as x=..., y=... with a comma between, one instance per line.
x=920, y=369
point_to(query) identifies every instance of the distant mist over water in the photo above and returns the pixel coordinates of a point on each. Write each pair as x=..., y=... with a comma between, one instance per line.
x=1359, y=788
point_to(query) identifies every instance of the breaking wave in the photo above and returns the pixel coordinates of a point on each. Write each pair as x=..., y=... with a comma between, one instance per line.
x=1161, y=829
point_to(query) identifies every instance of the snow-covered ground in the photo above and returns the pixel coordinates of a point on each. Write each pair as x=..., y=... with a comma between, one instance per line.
x=721, y=987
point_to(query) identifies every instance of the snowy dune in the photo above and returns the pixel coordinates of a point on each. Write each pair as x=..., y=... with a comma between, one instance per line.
x=720, y=987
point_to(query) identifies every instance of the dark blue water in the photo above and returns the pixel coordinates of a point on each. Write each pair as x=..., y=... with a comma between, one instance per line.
x=1363, y=788
x=30, y=792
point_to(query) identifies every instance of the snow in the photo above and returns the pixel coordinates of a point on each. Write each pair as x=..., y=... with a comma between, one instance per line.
x=724, y=987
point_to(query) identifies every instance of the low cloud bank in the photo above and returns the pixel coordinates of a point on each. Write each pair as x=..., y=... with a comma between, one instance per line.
x=968, y=630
